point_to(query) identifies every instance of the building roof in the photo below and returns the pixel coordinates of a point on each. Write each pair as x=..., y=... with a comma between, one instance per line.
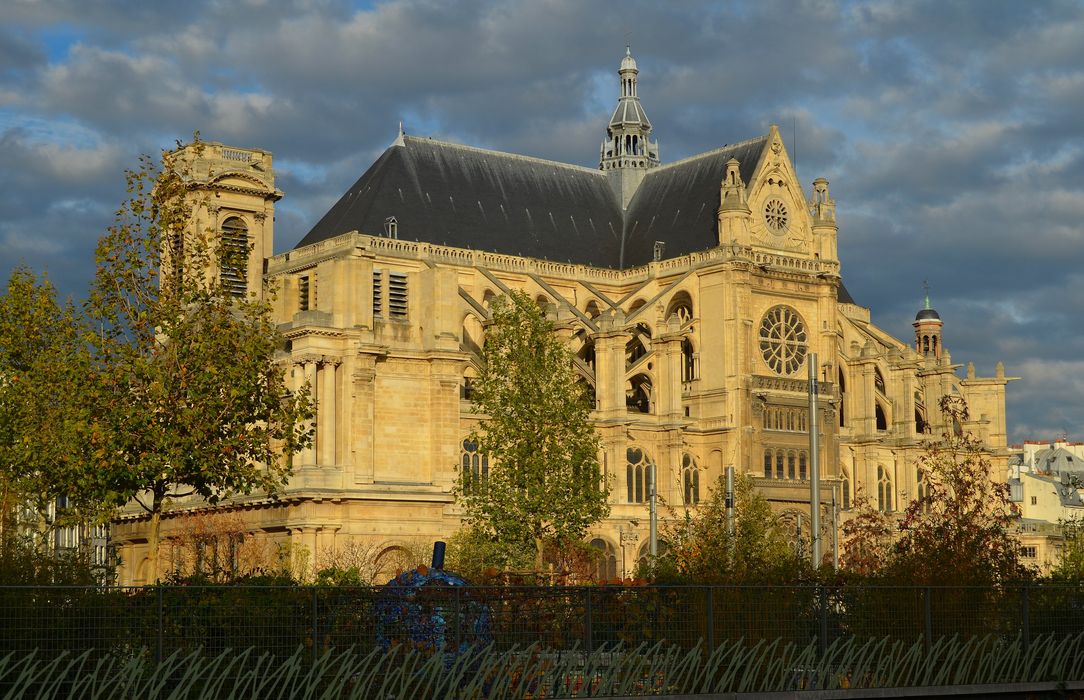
x=474, y=198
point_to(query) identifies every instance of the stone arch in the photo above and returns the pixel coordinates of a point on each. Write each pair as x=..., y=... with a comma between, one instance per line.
x=640, y=394
x=880, y=416
x=592, y=310
x=606, y=563
x=681, y=303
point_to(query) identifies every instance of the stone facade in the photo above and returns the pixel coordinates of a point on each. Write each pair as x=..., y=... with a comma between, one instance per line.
x=697, y=361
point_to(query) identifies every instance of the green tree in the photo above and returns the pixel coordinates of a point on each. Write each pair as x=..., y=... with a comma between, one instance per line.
x=702, y=549
x=544, y=483
x=1070, y=566
x=40, y=361
x=187, y=395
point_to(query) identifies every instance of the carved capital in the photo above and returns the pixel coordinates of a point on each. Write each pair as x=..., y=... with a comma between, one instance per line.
x=259, y=216
x=629, y=537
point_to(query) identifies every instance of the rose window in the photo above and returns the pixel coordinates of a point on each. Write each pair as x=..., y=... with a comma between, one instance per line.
x=775, y=214
x=783, y=339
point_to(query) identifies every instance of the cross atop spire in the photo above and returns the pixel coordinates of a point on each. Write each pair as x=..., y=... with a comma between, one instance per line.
x=926, y=286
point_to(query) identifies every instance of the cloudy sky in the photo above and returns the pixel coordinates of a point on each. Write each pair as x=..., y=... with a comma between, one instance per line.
x=952, y=132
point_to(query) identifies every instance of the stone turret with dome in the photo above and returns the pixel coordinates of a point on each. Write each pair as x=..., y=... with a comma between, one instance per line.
x=928, y=330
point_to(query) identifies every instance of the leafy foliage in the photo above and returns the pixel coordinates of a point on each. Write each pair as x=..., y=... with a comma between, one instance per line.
x=39, y=362
x=1070, y=566
x=957, y=532
x=703, y=551
x=187, y=396
x=544, y=483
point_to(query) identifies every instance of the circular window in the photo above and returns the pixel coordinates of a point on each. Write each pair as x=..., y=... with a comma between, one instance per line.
x=775, y=215
x=783, y=339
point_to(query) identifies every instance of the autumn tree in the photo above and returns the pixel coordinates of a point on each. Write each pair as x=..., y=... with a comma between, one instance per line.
x=543, y=481
x=40, y=359
x=702, y=548
x=187, y=396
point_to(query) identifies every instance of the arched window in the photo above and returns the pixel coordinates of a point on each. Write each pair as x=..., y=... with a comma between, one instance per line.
x=884, y=490
x=801, y=465
x=767, y=464
x=606, y=561
x=792, y=461
x=681, y=306
x=923, y=490
x=780, y=464
x=690, y=478
x=925, y=345
x=475, y=467
x=643, y=553
x=638, y=394
x=233, y=261
x=636, y=466
x=845, y=487
x=882, y=421
x=592, y=309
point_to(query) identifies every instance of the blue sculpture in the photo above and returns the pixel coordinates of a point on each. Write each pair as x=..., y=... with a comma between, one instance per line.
x=432, y=610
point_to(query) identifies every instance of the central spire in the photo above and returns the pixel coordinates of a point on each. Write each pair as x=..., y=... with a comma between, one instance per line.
x=628, y=152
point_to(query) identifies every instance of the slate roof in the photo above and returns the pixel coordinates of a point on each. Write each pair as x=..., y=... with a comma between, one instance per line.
x=474, y=198
x=629, y=111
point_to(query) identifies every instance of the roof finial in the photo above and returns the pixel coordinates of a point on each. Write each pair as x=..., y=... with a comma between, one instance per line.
x=926, y=286
x=399, y=140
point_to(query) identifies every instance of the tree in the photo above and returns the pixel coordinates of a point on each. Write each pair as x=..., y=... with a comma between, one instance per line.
x=543, y=482
x=1070, y=566
x=186, y=392
x=959, y=528
x=702, y=549
x=40, y=353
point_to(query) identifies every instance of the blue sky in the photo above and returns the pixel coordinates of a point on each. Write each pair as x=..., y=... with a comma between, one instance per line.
x=950, y=131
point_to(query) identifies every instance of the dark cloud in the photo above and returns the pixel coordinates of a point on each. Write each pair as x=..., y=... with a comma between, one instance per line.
x=950, y=131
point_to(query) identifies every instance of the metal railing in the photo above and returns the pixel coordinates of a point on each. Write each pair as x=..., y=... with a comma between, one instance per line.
x=161, y=620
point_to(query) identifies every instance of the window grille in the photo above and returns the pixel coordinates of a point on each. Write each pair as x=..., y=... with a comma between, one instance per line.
x=378, y=293
x=234, y=260
x=397, y=295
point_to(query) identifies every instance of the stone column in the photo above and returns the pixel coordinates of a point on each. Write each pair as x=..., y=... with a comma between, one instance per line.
x=308, y=455
x=326, y=413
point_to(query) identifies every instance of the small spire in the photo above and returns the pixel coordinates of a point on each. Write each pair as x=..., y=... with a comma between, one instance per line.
x=628, y=49
x=399, y=138
x=926, y=286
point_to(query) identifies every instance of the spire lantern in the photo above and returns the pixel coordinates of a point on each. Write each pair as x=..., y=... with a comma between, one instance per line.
x=628, y=152
x=928, y=329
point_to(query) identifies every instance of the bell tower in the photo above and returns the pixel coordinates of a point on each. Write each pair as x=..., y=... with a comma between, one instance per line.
x=234, y=204
x=928, y=331
x=628, y=153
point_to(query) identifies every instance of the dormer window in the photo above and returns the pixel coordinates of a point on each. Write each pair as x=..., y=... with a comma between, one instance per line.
x=391, y=227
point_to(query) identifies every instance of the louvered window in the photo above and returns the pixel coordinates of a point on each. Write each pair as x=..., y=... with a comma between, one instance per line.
x=234, y=263
x=378, y=293
x=303, y=293
x=397, y=295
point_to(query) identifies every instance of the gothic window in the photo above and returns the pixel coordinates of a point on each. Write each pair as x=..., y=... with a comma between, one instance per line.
x=638, y=394
x=846, y=488
x=690, y=478
x=767, y=464
x=791, y=462
x=780, y=460
x=475, y=467
x=636, y=467
x=923, y=490
x=878, y=380
x=925, y=345
x=783, y=339
x=775, y=214
x=882, y=421
x=391, y=227
x=606, y=561
x=884, y=490
x=234, y=257
x=801, y=465
x=587, y=353
x=682, y=307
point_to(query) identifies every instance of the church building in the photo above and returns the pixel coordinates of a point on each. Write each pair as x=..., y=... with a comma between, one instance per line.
x=691, y=292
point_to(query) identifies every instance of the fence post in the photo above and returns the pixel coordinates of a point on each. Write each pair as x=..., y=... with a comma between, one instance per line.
x=588, y=641
x=711, y=620
x=822, y=594
x=161, y=624
x=1025, y=594
x=928, y=615
x=315, y=626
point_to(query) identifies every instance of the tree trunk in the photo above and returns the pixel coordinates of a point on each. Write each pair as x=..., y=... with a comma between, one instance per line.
x=538, y=546
x=155, y=536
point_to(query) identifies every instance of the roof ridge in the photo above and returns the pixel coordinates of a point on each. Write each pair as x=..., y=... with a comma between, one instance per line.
x=722, y=149
x=517, y=156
